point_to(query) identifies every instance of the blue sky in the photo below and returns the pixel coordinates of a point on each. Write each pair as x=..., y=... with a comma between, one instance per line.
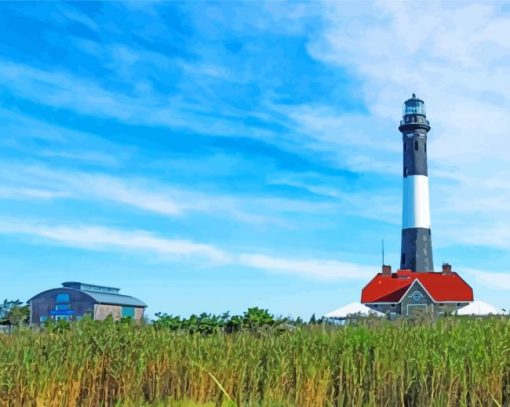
x=217, y=156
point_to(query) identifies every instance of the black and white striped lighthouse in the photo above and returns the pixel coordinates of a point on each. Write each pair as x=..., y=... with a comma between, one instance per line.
x=416, y=253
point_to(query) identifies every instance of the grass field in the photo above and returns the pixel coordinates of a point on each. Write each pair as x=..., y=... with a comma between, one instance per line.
x=445, y=363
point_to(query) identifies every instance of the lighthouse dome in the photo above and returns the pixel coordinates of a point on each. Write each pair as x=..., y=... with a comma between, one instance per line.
x=414, y=105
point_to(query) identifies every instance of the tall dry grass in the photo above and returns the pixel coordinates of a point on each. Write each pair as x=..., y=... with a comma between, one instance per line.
x=452, y=362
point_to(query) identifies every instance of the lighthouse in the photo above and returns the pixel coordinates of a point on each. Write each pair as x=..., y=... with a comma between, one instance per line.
x=416, y=288
x=416, y=252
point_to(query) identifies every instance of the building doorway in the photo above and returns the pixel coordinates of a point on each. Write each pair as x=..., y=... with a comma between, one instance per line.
x=416, y=310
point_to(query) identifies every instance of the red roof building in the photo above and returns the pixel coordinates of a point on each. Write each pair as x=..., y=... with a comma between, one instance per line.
x=406, y=291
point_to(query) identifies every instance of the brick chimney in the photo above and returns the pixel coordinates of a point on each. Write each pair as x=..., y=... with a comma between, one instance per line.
x=447, y=268
x=386, y=270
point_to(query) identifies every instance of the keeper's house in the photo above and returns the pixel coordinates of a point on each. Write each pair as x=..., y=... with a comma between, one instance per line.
x=74, y=300
x=409, y=293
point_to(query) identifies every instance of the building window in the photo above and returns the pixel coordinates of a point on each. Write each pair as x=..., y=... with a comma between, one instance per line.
x=406, y=171
x=62, y=298
x=392, y=305
x=128, y=312
x=43, y=319
x=425, y=147
x=416, y=145
x=61, y=317
x=403, y=260
x=61, y=307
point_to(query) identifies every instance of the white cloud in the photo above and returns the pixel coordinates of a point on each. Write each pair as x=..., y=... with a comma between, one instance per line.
x=63, y=90
x=309, y=268
x=495, y=281
x=100, y=238
x=29, y=193
x=90, y=157
x=26, y=135
x=120, y=191
x=41, y=182
x=104, y=239
x=82, y=185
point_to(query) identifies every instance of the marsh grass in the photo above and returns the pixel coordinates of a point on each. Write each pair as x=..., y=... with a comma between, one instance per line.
x=450, y=362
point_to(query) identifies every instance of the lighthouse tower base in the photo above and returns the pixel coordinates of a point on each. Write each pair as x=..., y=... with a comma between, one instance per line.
x=416, y=250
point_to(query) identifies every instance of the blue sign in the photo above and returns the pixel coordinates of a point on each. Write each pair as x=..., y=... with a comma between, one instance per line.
x=62, y=312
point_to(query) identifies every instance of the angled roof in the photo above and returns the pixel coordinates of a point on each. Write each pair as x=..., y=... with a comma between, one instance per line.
x=442, y=287
x=115, y=299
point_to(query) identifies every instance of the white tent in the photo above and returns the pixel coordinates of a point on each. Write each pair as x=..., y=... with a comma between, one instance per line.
x=479, y=308
x=353, y=309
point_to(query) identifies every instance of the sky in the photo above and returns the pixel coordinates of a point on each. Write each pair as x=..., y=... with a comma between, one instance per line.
x=214, y=156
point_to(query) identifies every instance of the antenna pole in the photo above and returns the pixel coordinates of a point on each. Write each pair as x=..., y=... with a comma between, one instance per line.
x=382, y=241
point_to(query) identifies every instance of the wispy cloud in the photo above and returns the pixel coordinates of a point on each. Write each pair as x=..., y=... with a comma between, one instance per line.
x=104, y=239
x=87, y=97
x=89, y=157
x=29, y=136
x=308, y=268
x=100, y=238
x=494, y=281
x=30, y=193
x=149, y=195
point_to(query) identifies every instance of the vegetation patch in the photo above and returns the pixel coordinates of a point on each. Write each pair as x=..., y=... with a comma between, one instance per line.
x=448, y=362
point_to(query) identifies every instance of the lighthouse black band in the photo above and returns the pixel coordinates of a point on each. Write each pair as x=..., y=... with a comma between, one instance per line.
x=416, y=253
x=415, y=153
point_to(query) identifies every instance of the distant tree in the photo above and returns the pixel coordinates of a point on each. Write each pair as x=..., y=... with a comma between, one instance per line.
x=166, y=321
x=14, y=313
x=256, y=317
x=252, y=320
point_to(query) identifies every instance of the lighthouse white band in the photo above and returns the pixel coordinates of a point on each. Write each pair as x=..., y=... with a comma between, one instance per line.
x=416, y=209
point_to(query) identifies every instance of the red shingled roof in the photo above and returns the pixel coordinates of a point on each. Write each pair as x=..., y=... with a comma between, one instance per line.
x=443, y=287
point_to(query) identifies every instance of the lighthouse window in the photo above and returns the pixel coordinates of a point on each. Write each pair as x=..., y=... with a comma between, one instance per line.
x=405, y=146
x=403, y=259
x=416, y=145
x=425, y=146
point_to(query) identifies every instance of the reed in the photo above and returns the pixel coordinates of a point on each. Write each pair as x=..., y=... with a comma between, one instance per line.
x=449, y=362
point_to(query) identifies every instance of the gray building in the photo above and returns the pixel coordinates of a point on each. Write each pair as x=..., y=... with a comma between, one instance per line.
x=74, y=300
